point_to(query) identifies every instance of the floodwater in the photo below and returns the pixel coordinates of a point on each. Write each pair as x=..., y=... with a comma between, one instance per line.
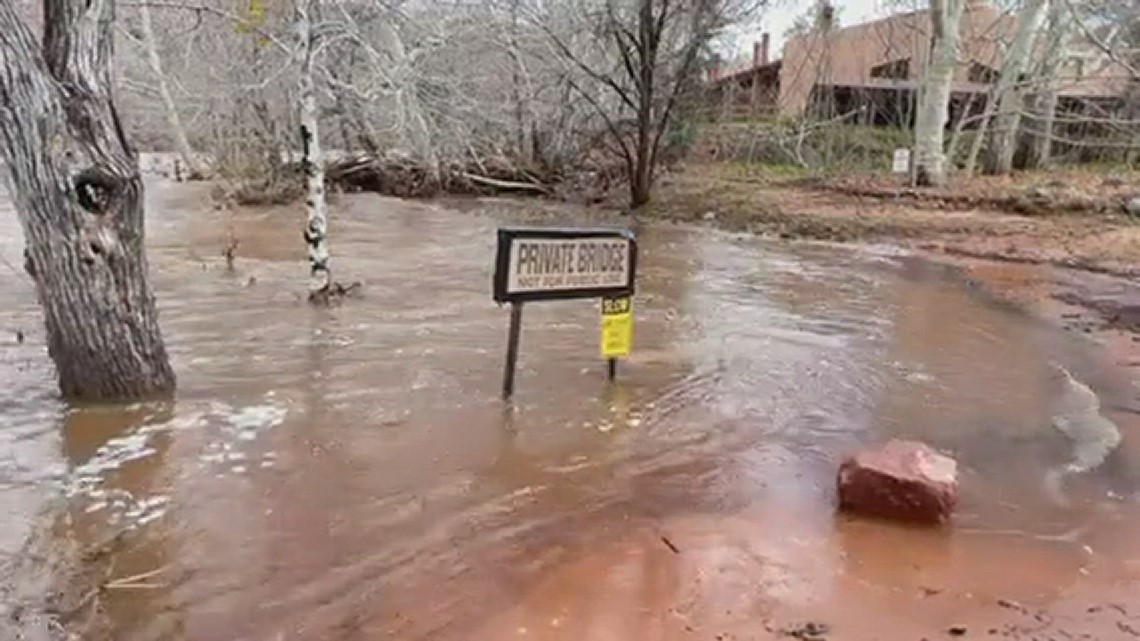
x=351, y=473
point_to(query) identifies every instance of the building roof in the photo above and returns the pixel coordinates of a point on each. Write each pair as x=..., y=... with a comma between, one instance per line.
x=862, y=55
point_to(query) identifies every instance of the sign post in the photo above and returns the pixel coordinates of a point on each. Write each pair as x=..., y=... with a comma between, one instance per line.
x=512, y=349
x=535, y=264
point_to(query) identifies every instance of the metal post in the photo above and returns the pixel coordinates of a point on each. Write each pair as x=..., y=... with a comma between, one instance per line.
x=512, y=351
x=611, y=369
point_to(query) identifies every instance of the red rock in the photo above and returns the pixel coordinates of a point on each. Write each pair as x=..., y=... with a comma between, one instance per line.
x=902, y=480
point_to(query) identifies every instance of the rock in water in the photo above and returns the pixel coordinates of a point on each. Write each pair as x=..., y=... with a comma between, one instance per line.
x=902, y=480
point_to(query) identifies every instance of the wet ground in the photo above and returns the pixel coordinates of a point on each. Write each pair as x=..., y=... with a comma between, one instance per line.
x=1071, y=219
x=351, y=473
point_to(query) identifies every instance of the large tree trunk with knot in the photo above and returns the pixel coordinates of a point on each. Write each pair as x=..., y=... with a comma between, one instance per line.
x=77, y=189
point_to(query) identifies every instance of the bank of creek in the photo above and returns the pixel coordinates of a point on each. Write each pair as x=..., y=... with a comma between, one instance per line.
x=351, y=473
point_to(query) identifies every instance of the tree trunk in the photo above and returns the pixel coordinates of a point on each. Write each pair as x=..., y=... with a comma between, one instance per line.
x=523, y=149
x=952, y=148
x=79, y=197
x=976, y=144
x=1056, y=48
x=640, y=184
x=312, y=160
x=934, y=103
x=641, y=180
x=1010, y=92
x=168, y=105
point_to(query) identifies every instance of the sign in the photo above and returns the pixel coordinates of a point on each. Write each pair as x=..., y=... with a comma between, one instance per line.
x=617, y=327
x=900, y=164
x=549, y=264
x=252, y=23
x=533, y=264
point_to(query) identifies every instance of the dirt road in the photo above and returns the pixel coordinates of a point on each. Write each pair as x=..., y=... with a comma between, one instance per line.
x=1075, y=219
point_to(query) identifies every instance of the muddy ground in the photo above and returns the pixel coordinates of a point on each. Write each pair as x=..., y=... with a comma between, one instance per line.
x=1073, y=219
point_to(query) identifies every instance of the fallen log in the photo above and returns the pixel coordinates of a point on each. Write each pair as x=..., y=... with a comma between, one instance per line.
x=506, y=185
x=404, y=177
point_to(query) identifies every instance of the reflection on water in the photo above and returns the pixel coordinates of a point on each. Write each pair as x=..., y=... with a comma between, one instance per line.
x=350, y=472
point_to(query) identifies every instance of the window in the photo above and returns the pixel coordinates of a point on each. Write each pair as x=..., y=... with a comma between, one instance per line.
x=982, y=74
x=893, y=70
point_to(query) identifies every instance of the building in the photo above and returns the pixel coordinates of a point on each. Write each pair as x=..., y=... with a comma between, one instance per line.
x=871, y=71
x=753, y=90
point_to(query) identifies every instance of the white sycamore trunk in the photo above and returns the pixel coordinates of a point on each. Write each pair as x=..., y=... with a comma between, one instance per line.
x=1057, y=39
x=979, y=140
x=312, y=160
x=934, y=101
x=185, y=151
x=413, y=111
x=1011, y=90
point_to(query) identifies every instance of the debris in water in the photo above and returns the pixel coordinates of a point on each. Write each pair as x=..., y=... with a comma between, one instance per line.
x=336, y=292
x=136, y=581
x=957, y=630
x=810, y=631
x=230, y=252
x=1011, y=605
x=669, y=544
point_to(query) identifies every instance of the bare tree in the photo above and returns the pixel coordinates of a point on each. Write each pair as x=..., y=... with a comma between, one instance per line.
x=1010, y=91
x=169, y=106
x=1056, y=48
x=77, y=189
x=312, y=160
x=818, y=17
x=1112, y=29
x=934, y=100
x=634, y=60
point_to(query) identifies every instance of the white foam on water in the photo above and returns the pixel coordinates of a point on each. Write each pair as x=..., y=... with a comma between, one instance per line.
x=238, y=431
x=92, y=480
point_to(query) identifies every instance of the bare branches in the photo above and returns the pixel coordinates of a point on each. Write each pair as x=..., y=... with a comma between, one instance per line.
x=532, y=83
x=636, y=70
x=1103, y=45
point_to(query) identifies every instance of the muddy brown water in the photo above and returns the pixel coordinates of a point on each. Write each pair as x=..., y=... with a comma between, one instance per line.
x=352, y=474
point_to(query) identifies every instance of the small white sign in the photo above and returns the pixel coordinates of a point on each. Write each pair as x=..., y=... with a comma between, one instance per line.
x=558, y=264
x=901, y=162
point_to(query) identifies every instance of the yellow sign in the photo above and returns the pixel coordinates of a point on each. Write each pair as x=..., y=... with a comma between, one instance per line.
x=254, y=20
x=617, y=327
